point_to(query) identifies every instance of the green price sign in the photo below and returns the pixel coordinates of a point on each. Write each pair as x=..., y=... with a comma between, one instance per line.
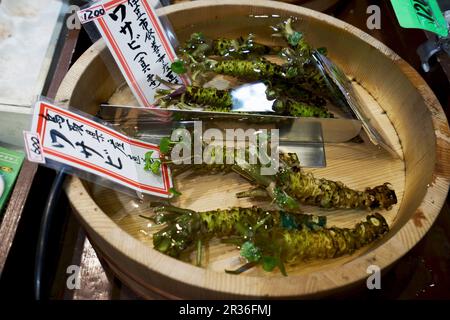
x=421, y=14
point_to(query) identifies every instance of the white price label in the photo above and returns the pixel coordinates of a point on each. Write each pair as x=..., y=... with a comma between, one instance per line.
x=71, y=139
x=91, y=13
x=138, y=42
x=33, y=147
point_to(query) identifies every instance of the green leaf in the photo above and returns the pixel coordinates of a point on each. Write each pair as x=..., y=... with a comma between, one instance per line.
x=178, y=67
x=282, y=268
x=250, y=252
x=152, y=164
x=164, y=145
x=148, y=218
x=269, y=263
x=284, y=200
x=148, y=160
x=294, y=39
x=155, y=166
x=148, y=155
x=174, y=192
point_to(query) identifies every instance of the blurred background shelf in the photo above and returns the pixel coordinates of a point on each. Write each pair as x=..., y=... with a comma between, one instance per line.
x=30, y=39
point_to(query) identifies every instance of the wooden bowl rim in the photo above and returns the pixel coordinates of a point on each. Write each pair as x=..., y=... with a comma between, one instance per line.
x=297, y=285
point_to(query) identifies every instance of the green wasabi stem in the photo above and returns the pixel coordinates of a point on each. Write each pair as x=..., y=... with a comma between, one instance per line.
x=219, y=166
x=269, y=238
x=291, y=186
x=289, y=107
x=307, y=77
x=307, y=189
x=313, y=80
x=325, y=243
x=248, y=70
x=302, y=51
x=210, y=98
x=300, y=63
x=242, y=48
x=246, y=61
x=199, y=47
x=295, y=186
x=294, y=92
x=256, y=193
x=251, y=70
x=199, y=253
x=279, y=246
x=215, y=100
x=184, y=228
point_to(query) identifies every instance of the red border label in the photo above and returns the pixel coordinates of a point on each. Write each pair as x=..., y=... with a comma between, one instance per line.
x=41, y=126
x=120, y=55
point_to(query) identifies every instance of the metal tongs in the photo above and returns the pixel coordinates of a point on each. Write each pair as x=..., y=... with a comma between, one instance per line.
x=348, y=99
x=304, y=136
x=251, y=108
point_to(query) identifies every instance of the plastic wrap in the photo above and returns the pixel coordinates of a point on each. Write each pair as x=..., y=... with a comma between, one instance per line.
x=85, y=146
x=140, y=43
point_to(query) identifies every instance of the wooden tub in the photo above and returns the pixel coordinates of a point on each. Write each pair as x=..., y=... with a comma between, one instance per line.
x=409, y=115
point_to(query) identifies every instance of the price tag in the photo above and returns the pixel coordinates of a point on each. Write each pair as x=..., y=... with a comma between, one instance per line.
x=33, y=147
x=91, y=13
x=137, y=40
x=71, y=139
x=421, y=14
